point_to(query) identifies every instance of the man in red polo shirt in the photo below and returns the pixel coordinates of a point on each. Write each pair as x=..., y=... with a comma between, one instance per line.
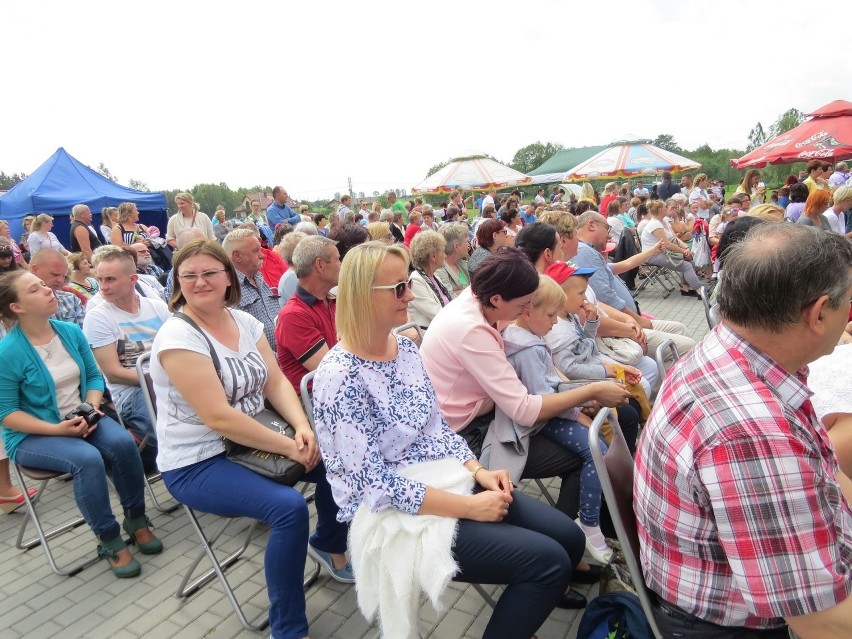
x=306, y=325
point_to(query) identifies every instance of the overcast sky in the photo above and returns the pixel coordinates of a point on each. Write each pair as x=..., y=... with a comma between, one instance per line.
x=308, y=94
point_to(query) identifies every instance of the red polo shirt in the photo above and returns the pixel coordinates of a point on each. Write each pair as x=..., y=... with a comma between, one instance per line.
x=304, y=325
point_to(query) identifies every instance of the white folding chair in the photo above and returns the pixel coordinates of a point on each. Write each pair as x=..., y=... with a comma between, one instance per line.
x=615, y=471
x=43, y=536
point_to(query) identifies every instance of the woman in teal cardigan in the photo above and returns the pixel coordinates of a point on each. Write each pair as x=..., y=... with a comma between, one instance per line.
x=48, y=371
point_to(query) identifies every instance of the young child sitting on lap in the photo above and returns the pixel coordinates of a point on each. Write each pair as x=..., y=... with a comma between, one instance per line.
x=531, y=358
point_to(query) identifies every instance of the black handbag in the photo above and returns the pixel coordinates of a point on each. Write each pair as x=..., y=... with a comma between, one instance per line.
x=278, y=468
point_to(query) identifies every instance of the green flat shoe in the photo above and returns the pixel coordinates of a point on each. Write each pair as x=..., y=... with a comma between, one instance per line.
x=131, y=525
x=110, y=549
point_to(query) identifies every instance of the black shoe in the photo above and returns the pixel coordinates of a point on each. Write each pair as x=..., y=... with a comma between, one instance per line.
x=572, y=600
x=690, y=293
x=587, y=577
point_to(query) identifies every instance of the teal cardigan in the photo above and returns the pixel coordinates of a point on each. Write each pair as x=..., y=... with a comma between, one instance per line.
x=27, y=385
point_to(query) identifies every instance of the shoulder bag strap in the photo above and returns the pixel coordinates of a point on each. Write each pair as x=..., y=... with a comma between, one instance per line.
x=186, y=318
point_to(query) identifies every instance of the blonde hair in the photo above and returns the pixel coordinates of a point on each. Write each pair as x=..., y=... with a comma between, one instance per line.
x=186, y=197
x=356, y=312
x=587, y=192
x=378, y=231
x=124, y=211
x=40, y=220
x=548, y=293
x=564, y=222
x=842, y=193
x=767, y=212
x=423, y=245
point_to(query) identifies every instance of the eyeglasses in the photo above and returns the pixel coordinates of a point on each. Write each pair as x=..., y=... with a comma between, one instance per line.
x=143, y=252
x=398, y=289
x=207, y=276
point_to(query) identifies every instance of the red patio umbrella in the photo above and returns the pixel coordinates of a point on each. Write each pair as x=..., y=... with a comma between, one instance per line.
x=827, y=135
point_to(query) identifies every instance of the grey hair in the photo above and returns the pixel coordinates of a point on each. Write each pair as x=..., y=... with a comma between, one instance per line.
x=454, y=233
x=427, y=209
x=778, y=270
x=386, y=216
x=308, y=228
x=308, y=251
x=77, y=209
x=288, y=245
x=349, y=216
x=187, y=235
x=236, y=237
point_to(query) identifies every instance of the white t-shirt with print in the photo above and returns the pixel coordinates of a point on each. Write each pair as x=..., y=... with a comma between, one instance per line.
x=132, y=334
x=182, y=437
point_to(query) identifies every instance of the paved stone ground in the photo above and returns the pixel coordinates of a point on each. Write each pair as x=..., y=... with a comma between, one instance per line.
x=35, y=603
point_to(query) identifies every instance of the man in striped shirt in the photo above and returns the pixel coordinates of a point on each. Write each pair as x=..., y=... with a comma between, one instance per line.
x=744, y=517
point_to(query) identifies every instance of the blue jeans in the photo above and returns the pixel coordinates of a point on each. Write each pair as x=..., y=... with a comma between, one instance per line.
x=221, y=487
x=134, y=413
x=575, y=437
x=108, y=449
x=533, y=550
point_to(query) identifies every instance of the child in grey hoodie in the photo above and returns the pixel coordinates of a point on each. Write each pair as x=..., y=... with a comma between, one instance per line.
x=531, y=358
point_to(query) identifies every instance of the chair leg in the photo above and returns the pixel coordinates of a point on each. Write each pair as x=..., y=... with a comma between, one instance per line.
x=545, y=492
x=218, y=570
x=43, y=536
x=488, y=598
x=151, y=479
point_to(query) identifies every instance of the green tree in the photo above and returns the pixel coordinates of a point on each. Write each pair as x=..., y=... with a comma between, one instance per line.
x=667, y=142
x=103, y=170
x=139, y=185
x=8, y=181
x=437, y=167
x=756, y=137
x=790, y=119
x=209, y=196
x=534, y=155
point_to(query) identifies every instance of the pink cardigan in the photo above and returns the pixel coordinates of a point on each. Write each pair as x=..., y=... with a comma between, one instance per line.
x=465, y=361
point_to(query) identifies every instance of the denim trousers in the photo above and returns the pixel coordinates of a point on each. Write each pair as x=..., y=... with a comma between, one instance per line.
x=575, y=437
x=108, y=449
x=134, y=413
x=221, y=487
x=533, y=551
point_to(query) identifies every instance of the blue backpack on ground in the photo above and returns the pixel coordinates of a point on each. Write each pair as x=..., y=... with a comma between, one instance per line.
x=617, y=615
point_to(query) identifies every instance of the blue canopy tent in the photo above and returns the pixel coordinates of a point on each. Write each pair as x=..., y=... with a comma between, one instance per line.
x=60, y=183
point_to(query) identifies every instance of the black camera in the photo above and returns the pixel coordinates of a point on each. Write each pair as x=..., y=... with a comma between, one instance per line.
x=87, y=412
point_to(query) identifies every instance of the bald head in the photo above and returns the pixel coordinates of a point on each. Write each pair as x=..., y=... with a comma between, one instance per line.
x=189, y=235
x=50, y=265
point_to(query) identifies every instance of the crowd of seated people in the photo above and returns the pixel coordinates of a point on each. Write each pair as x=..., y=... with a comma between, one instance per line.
x=506, y=331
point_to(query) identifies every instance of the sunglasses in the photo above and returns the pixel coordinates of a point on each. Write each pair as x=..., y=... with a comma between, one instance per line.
x=399, y=290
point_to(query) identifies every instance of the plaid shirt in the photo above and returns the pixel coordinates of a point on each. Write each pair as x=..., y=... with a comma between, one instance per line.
x=741, y=522
x=261, y=302
x=70, y=308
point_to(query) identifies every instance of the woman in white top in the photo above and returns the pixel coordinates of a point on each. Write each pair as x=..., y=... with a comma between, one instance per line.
x=196, y=408
x=430, y=296
x=188, y=216
x=699, y=194
x=109, y=218
x=40, y=236
x=655, y=231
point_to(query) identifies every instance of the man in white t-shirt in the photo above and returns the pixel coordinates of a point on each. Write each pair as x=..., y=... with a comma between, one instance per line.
x=641, y=192
x=489, y=199
x=539, y=197
x=120, y=330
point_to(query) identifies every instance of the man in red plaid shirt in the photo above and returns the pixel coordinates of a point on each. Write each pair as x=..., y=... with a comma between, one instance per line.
x=744, y=517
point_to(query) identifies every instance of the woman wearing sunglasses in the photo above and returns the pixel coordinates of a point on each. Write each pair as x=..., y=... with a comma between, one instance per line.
x=195, y=409
x=378, y=423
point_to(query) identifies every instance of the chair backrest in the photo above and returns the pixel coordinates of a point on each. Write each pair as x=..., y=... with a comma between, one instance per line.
x=615, y=471
x=702, y=291
x=305, y=394
x=147, y=385
x=405, y=327
x=715, y=316
x=660, y=356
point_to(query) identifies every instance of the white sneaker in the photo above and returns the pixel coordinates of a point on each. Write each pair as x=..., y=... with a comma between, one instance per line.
x=602, y=556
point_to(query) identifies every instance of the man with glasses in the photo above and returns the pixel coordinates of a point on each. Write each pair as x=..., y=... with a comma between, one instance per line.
x=256, y=298
x=120, y=329
x=144, y=262
x=306, y=325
